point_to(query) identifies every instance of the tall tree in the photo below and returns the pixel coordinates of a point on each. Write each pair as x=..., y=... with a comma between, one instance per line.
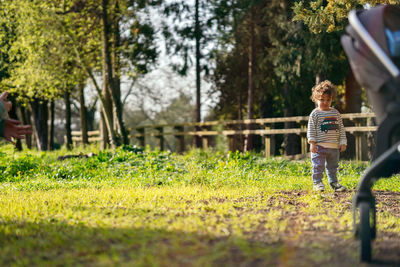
x=327, y=20
x=67, y=101
x=132, y=54
x=38, y=70
x=249, y=141
x=240, y=24
x=73, y=41
x=50, y=140
x=108, y=85
x=83, y=114
x=197, y=36
x=187, y=38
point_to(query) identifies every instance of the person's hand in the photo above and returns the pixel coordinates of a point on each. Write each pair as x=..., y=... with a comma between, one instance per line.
x=313, y=148
x=13, y=130
x=343, y=148
x=7, y=104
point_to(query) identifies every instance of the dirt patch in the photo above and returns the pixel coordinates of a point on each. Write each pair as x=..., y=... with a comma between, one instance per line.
x=386, y=247
x=388, y=202
x=310, y=243
x=309, y=230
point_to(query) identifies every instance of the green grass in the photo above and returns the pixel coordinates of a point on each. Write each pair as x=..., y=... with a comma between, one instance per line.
x=151, y=208
x=134, y=167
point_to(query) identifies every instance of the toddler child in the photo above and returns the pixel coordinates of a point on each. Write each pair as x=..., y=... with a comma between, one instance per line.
x=326, y=136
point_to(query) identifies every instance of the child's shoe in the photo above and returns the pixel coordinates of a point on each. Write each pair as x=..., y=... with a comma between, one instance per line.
x=319, y=186
x=338, y=187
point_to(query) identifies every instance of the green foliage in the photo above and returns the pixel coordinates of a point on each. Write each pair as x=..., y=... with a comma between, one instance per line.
x=331, y=15
x=296, y=41
x=51, y=46
x=134, y=166
x=40, y=55
x=20, y=167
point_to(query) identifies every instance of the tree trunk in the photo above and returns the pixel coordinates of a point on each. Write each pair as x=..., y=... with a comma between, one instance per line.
x=197, y=33
x=13, y=115
x=26, y=120
x=40, y=116
x=104, y=131
x=83, y=114
x=240, y=117
x=107, y=73
x=68, y=120
x=353, y=95
x=117, y=87
x=106, y=116
x=90, y=116
x=115, y=63
x=320, y=77
x=249, y=142
x=352, y=105
x=51, y=130
x=290, y=146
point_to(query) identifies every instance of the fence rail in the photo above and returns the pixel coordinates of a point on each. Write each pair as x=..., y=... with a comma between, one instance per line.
x=93, y=136
x=265, y=127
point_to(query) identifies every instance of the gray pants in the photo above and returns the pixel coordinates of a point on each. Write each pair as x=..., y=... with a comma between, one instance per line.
x=325, y=158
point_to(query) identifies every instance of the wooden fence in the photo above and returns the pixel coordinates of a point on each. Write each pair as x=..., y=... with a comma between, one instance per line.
x=93, y=136
x=265, y=127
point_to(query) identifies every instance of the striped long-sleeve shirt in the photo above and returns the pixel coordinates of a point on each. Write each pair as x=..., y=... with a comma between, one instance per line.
x=326, y=129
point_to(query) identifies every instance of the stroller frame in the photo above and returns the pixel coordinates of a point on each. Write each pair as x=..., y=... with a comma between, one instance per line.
x=387, y=154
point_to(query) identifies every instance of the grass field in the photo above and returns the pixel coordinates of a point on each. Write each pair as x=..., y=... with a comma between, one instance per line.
x=147, y=208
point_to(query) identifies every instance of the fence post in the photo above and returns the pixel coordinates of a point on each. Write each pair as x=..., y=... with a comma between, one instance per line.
x=141, y=136
x=180, y=138
x=232, y=138
x=303, y=136
x=205, y=138
x=267, y=139
x=160, y=137
x=358, y=137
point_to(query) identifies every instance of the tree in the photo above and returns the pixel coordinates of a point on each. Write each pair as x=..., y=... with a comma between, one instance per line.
x=280, y=56
x=327, y=20
x=7, y=36
x=330, y=15
x=83, y=113
x=72, y=45
x=40, y=69
x=241, y=26
x=187, y=38
x=113, y=48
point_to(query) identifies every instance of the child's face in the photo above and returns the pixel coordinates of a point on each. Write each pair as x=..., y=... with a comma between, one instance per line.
x=324, y=102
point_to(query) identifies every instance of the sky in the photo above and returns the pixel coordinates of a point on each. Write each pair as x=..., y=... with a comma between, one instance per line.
x=156, y=90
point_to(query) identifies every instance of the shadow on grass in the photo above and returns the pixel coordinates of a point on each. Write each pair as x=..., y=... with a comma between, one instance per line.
x=60, y=244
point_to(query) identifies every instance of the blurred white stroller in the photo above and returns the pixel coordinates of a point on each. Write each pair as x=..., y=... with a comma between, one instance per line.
x=372, y=45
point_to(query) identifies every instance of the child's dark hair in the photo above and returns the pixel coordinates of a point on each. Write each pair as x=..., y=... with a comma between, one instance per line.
x=325, y=87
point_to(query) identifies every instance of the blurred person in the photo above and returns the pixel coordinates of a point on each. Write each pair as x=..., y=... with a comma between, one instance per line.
x=11, y=129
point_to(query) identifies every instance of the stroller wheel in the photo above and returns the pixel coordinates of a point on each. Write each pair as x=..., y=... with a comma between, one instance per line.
x=365, y=232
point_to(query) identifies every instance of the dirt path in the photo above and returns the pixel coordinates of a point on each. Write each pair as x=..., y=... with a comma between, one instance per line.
x=330, y=247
